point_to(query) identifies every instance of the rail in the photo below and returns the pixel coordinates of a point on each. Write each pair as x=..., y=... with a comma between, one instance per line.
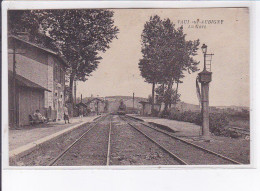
x=192, y=144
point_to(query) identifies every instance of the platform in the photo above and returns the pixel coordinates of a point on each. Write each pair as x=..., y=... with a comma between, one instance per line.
x=28, y=137
x=181, y=128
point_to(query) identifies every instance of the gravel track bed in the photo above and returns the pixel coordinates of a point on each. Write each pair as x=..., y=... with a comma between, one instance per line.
x=48, y=151
x=130, y=147
x=188, y=153
x=90, y=150
x=237, y=149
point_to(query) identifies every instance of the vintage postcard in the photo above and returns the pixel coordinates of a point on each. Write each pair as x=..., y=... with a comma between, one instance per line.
x=128, y=87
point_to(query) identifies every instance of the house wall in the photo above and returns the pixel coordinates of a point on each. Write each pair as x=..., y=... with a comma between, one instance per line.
x=96, y=105
x=30, y=69
x=58, y=86
x=31, y=64
x=29, y=101
x=49, y=95
x=147, y=109
x=38, y=66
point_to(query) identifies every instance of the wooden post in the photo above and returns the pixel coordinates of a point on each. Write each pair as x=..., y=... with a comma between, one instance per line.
x=205, y=110
x=14, y=87
x=133, y=100
x=205, y=78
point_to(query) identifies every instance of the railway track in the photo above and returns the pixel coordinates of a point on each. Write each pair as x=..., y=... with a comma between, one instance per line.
x=109, y=143
x=178, y=159
x=174, y=145
x=94, y=146
x=80, y=139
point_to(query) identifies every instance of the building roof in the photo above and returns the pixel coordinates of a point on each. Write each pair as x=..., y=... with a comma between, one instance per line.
x=147, y=102
x=92, y=99
x=81, y=104
x=59, y=57
x=23, y=82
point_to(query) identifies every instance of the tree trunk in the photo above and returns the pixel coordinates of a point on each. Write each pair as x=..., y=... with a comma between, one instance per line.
x=153, y=98
x=175, y=102
x=177, y=88
x=71, y=88
x=169, y=88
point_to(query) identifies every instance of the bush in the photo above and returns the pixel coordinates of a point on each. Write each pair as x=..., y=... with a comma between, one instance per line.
x=217, y=121
x=187, y=116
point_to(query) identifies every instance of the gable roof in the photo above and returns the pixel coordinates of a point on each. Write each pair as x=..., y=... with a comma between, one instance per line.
x=81, y=104
x=147, y=102
x=59, y=57
x=89, y=101
x=24, y=82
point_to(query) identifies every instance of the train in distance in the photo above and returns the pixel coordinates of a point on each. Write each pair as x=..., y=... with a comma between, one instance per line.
x=121, y=109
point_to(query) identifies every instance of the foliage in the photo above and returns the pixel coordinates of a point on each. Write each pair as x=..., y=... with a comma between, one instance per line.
x=218, y=121
x=166, y=56
x=167, y=95
x=242, y=115
x=152, y=38
x=77, y=34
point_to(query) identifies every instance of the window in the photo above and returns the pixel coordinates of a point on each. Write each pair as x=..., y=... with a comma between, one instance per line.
x=58, y=73
x=56, y=77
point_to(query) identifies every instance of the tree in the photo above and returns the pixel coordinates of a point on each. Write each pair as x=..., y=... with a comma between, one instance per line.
x=149, y=65
x=167, y=95
x=178, y=58
x=79, y=35
x=166, y=57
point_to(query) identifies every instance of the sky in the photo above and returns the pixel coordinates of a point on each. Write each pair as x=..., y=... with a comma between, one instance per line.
x=227, y=38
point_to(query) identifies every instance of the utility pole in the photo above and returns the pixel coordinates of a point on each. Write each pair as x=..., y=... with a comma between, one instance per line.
x=133, y=100
x=75, y=89
x=205, y=78
x=15, y=109
x=97, y=107
x=14, y=87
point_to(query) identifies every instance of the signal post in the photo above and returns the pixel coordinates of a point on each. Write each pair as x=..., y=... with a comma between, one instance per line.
x=205, y=78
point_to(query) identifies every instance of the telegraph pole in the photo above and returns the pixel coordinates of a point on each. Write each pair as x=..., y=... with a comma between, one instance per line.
x=205, y=78
x=15, y=110
x=133, y=100
x=15, y=52
x=75, y=92
x=14, y=86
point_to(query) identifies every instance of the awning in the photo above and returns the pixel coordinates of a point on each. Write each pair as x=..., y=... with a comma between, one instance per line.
x=23, y=82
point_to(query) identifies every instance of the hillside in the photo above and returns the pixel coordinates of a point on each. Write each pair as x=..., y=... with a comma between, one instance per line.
x=114, y=102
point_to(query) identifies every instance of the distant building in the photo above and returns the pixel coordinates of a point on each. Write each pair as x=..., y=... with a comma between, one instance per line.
x=147, y=108
x=40, y=81
x=82, y=108
x=96, y=105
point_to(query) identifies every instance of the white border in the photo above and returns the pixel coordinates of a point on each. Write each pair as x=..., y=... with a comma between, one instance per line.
x=116, y=4
x=152, y=180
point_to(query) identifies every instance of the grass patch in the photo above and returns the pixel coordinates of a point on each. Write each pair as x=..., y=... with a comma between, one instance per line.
x=219, y=121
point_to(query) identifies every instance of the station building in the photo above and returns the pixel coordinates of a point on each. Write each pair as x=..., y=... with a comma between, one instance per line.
x=40, y=81
x=147, y=108
x=96, y=105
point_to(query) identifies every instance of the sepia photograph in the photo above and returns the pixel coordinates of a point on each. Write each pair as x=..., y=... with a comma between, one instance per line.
x=129, y=87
